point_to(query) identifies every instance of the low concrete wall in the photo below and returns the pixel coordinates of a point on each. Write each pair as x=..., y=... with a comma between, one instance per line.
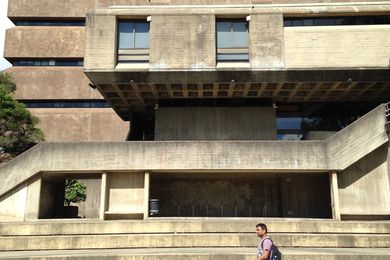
x=215, y=123
x=357, y=139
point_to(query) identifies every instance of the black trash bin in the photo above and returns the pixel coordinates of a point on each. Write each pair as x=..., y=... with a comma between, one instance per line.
x=153, y=207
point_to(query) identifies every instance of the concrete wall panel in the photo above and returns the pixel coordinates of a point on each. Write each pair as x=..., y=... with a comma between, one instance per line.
x=13, y=206
x=90, y=208
x=44, y=42
x=106, y=3
x=266, y=43
x=58, y=83
x=337, y=46
x=86, y=124
x=100, y=53
x=49, y=8
x=126, y=192
x=33, y=198
x=364, y=187
x=182, y=42
x=215, y=123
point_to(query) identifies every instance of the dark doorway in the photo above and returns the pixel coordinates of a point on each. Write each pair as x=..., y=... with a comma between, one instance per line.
x=259, y=195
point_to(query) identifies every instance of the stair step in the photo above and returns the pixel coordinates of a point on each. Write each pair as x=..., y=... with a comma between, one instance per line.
x=203, y=254
x=66, y=242
x=225, y=225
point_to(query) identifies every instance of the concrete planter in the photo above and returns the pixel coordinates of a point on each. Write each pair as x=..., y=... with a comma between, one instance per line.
x=71, y=211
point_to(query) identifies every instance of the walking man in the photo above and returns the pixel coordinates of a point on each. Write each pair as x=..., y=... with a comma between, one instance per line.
x=265, y=245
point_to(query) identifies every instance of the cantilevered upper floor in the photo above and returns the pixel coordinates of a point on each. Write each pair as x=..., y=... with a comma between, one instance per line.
x=138, y=55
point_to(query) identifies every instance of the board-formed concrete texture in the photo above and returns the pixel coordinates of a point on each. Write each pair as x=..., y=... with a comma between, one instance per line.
x=333, y=154
x=266, y=48
x=189, y=238
x=60, y=83
x=43, y=42
x=215, y=123
x=183, y=42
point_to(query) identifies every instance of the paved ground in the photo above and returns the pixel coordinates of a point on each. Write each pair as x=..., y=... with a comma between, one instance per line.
x=193, y=251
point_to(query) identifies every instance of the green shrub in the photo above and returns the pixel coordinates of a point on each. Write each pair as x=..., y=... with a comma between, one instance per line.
x=75, y=191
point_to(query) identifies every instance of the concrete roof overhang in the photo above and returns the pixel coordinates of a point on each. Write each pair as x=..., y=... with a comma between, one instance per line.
x=140, y=90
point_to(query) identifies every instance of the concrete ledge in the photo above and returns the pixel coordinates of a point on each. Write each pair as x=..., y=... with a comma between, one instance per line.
x=64, y=242
x=190, y=225
x=203, y=254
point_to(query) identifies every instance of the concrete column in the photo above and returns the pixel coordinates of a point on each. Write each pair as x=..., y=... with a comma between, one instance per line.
x=146, y=195
x=334, y=195
x=103, y=196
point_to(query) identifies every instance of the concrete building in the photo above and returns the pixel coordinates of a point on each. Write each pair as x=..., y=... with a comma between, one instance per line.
x=221, y=108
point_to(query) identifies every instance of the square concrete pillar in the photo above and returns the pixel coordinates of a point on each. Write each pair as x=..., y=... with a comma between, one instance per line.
x=103, y=196
x=146, y=195
x=334, y=195
x=266, y=41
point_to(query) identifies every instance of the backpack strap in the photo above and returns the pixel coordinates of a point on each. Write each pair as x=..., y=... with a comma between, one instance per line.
x=262, y=242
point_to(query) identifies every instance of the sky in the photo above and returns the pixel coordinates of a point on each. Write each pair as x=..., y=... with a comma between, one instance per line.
x=4, y=24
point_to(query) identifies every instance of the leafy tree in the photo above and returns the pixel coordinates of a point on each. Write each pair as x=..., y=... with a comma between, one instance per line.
x=75, y=191
x=17, y=126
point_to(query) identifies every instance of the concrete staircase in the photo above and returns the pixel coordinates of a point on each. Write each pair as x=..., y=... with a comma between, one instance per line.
x=207, y=238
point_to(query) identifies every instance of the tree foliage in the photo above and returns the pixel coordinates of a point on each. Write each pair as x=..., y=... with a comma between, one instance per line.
x=18, y=130
x=75, y=191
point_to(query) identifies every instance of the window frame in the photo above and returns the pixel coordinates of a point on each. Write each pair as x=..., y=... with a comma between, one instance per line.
x=237, y=53
x=132, y=54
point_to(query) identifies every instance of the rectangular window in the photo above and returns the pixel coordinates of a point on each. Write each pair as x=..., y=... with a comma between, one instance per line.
x=232, y=41
x=133, y=41
x=334, y=21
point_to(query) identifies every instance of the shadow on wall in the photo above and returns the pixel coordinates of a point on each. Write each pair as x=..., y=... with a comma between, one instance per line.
x=363, y=167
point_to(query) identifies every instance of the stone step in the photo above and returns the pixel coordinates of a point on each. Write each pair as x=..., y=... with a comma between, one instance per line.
x=69, y=242
x=205, y=225
x=203, y=254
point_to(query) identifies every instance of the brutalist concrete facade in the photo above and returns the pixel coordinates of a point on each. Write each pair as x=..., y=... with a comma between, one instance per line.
x=203, y=131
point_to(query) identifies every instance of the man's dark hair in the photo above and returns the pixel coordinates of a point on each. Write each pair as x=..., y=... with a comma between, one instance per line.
x=262, y=226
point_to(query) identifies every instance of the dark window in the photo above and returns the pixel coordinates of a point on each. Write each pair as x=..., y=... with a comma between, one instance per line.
x=232, y=40
x=46, y=62
x=50, y=23
x=133, y=41
x=339, y=20
x=66, y=104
